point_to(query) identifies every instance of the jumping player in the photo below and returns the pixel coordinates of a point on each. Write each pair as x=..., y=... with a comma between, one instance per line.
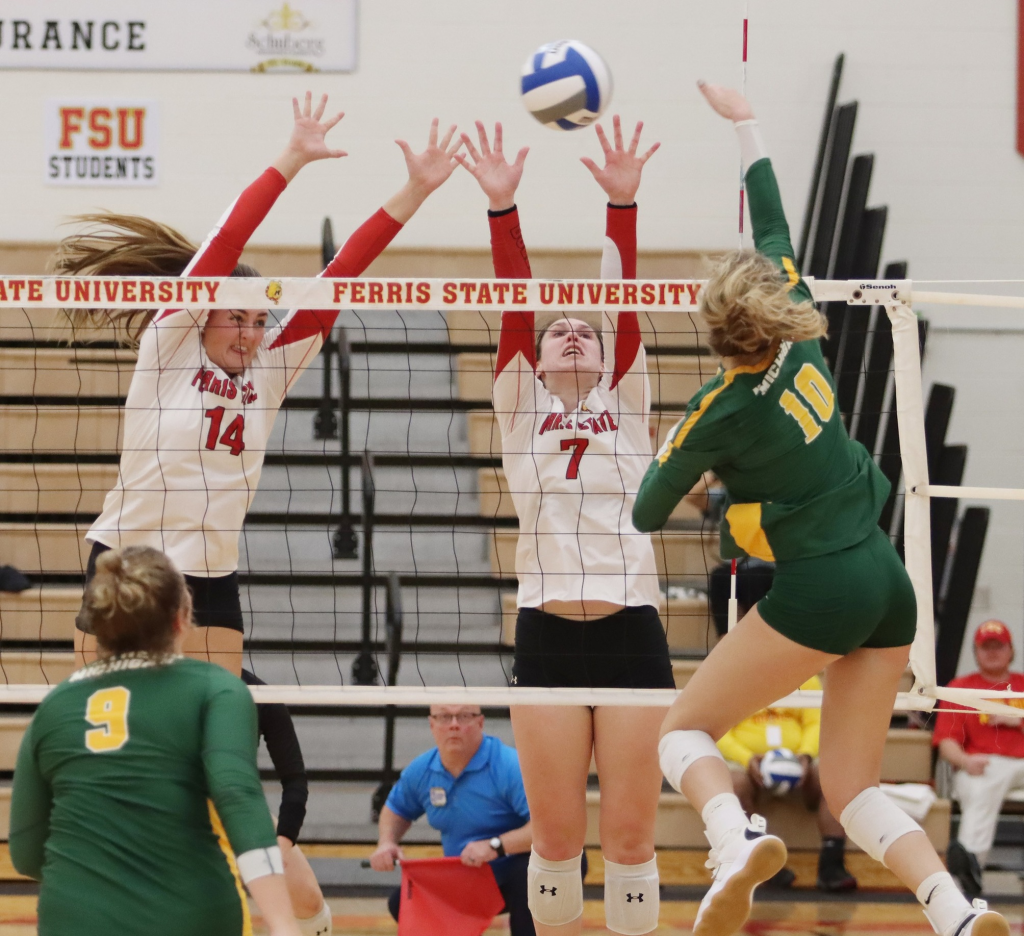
x=208, y=385
x=572, y=407
x=136, y=801
x=803, y=494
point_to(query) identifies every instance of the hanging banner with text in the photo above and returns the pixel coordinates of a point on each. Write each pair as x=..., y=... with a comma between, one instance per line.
x=108, y=142
x=186, y=35
x=148, y=292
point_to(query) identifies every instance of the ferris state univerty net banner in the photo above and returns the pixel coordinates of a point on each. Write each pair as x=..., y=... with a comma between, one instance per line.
x=180, y=35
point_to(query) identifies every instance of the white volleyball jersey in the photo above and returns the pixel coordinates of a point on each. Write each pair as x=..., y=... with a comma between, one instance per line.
x=573, y=476
x=194, y=436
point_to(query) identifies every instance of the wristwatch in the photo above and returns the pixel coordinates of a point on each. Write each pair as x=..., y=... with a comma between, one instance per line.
x=498, y=846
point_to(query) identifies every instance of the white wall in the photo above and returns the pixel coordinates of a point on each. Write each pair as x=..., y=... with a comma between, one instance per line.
x=935, y=81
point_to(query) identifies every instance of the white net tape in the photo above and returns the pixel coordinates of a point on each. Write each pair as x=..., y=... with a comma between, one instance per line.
x=565, y=296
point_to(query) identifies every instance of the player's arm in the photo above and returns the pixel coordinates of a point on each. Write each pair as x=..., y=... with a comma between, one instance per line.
x=220, y=252
x=514, y=381
x=619, y=178
x=390, y=829
x=303, y=331
x=31, y=802
x=771, y=230
x=278, y=731
x=695, y=444
x=232, y=779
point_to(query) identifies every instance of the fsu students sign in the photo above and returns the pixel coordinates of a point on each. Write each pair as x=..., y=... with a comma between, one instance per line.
x=101, y=142
x=184, y=35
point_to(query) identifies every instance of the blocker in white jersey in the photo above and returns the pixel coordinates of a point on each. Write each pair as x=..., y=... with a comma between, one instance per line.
x=573, y=476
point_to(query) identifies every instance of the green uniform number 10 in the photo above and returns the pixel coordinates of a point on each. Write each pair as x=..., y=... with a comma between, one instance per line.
x=815, y=390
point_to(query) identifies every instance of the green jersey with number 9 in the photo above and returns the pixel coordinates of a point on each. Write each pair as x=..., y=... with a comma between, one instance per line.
x=797, y=485
x=136, y=785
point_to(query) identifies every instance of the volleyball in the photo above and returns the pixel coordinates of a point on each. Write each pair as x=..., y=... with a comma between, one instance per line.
x=781, y=771
x=566, y=85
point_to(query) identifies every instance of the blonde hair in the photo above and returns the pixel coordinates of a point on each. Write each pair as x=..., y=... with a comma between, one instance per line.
x=747, y=305
x=133, y=600
x=124, y=245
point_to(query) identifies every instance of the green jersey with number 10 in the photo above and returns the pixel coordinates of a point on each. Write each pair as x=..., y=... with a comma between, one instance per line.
x=797, y=485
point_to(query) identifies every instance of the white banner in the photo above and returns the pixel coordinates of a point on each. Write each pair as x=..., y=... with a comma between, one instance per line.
x=186, y=35
x=148, y=292
x=111, y=142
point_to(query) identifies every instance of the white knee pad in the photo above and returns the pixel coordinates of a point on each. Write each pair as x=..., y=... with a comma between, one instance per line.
x=319, y=925
x=555, y=889
x=874, y=822
x=678, y=750
x=631, y=899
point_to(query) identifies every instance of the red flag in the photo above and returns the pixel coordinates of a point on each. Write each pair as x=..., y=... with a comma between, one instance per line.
x=444, y=897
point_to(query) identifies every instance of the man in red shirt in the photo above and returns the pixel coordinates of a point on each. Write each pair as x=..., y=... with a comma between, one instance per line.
x=987, y=752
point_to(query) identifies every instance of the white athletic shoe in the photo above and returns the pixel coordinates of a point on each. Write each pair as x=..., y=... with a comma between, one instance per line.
x=981, y=922
x=750, y=858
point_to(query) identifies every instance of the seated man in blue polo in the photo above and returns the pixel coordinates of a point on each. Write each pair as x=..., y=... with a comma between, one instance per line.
x=471, y=788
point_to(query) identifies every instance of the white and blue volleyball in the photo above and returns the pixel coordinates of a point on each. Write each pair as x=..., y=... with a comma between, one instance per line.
x=566, y=85
x=781, y=771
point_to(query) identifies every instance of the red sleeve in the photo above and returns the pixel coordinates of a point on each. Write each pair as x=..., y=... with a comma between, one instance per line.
x=365, y=245
x=620, y=229
x=511, y=261
x=219, y=253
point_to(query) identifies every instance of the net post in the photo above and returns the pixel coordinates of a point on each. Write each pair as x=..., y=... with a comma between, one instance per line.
x=394, y=653
x=364, y=669
x=916, y=513
x=344, y=541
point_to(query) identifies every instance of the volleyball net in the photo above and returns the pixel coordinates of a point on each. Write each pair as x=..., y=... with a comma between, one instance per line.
x=378, y=558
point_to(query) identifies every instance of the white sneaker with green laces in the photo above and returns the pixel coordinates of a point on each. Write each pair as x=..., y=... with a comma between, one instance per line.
x=980, y=922
x=749, y=858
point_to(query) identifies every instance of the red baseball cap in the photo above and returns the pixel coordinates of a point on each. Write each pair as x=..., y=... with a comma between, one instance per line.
x=992, y=630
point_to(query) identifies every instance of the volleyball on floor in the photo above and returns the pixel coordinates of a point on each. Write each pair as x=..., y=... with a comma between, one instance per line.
x=566, y=85
x=781, y=771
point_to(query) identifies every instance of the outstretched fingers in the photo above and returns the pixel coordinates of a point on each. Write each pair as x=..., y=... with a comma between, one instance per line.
x=320, y=108
x=635, y=142
x=432, y=137
x=617, y=131
x=307, y=104
x=331, y=122
x=497, y=138
x=602, y=137
x=521, y=158
x=595, y=169
x=447, y=138
x=470, y=148
x=649, y=153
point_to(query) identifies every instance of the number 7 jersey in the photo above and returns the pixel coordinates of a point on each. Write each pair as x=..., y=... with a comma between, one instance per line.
x=573, y=475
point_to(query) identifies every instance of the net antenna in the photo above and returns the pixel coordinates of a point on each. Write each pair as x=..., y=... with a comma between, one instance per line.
x=896, y=297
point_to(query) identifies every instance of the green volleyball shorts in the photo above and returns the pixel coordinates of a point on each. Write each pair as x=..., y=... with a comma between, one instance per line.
x=857, y=597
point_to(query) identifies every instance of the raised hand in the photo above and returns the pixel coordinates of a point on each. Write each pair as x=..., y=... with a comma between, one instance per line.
x=726, y=102
x=427, y=171
x=431, y=168
x=620, y=177
x=498, y=179
x=307, y=143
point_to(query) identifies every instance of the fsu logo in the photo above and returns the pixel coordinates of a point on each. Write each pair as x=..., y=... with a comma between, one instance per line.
x=274, y=291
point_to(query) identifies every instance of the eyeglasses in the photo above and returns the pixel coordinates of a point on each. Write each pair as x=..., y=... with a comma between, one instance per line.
x=463, y=718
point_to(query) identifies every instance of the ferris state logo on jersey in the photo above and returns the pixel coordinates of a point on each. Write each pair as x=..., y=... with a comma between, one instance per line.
x=110, y=142
x=206, y=381
x=591, y=422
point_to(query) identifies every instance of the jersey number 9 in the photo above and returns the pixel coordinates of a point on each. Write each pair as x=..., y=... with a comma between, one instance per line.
x=108, y=710
x=815, y=389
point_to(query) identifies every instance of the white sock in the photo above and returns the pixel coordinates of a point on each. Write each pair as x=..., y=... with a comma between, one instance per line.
x=319, y=925
x=722, y=816
x=942, y=902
